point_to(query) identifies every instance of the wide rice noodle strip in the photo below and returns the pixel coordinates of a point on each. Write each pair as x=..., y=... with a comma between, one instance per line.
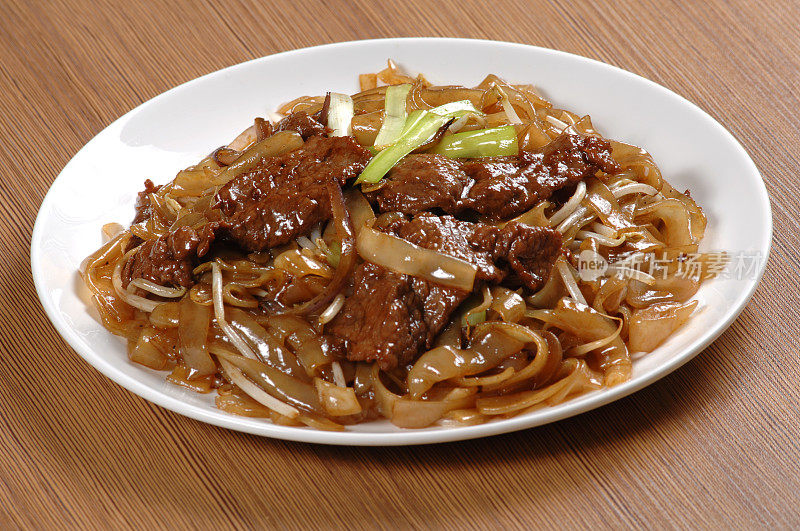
x=676, y=218
x=603, y=202
x=219, y=314
x=301, y=396
x=540, y=369
x=698, y=219
x=308, y=346
x=236, y=376
x=408, y=413
x=343, y=232
x=444, y=363
x=267, y=348
x=337, y=400
x=589, y=325
x=481, y=381
x=272, y=146
x=193, y=324
x=638, y=162
x=509, y=304
x=578, y=378
x=409, y=259
x=649, y=327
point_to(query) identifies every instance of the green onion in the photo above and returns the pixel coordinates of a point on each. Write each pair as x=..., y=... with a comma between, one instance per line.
x=495, y=142
x=420, y=126
x=334, y=253
x=474, y=319
x=394, y=118
x=340, y=114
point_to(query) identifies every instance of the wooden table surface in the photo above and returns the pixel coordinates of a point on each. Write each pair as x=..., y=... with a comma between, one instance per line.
x=715, y=444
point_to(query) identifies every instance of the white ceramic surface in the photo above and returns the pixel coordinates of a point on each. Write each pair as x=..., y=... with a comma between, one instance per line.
x=177, y=128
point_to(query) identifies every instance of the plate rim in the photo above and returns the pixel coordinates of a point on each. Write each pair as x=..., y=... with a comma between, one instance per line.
x=575, y=406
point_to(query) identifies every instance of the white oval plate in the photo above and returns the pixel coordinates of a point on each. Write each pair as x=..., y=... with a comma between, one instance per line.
x=178, y=127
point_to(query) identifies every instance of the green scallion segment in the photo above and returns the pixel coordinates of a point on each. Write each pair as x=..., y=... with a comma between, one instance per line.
x=419, y=127
x=394, y=118
x=495, y=142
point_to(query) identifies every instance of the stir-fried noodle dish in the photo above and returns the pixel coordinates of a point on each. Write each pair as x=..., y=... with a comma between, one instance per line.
x=423, y=253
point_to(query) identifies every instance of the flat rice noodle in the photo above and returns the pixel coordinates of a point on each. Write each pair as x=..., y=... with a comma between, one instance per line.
x=296, y=393
x=508, y=304
x=165, y=315
x=464, y=417
x=430, y=97
x=273, y=146
x=366, y=126
x=181, y=375
x=264, y=344
x=540, y=370
x=146, y=350
x=299, y=265
x=408, y=413
x=578, y=377
x=587, y=324
x=308, y=346
x=650, y=326
x=239, y=403
x=673, y=288
x=603, y=202
x=444, y=363
x=193, y=323
x=338, y=401
x=675, y=217
x=698, y=219
x=549, y=295
x=343, y=233
x=409, y=259
x=638, y=162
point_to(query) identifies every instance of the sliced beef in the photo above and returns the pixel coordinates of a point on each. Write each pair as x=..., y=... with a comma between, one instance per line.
x=169, y=260
x=285, y=196
x=303, y=123
x=515, y=249
x=143, y=207
x=391, y=317
x=497, y=187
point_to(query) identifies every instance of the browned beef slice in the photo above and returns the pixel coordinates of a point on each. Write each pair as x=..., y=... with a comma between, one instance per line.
x=143, y=207
x=514, y=249
x=303, y=123
x=390, y=317
x=529, y=251
x=169, y=259
x=285, y=196
x=498, y=187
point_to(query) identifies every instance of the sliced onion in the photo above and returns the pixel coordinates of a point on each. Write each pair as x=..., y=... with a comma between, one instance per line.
x=409, y=259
